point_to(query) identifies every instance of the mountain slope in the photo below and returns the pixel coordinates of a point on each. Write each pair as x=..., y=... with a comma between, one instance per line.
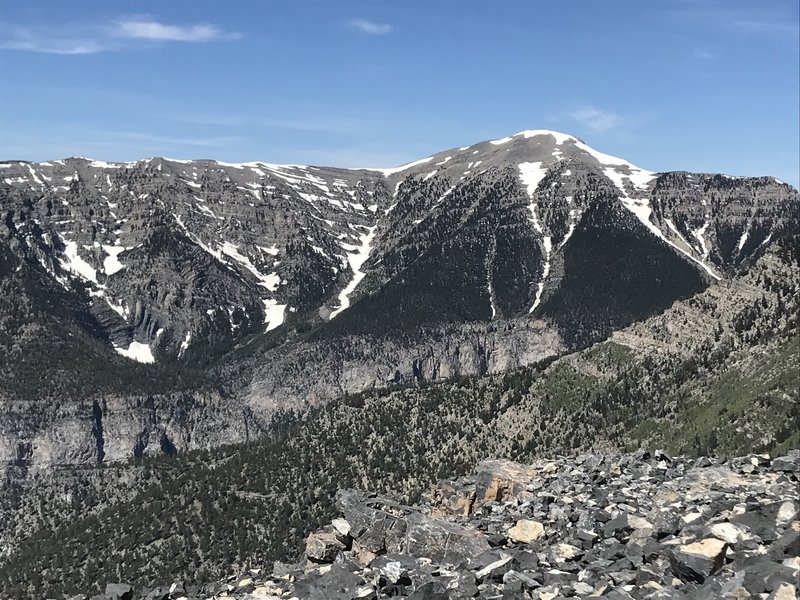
x=307, y=240
x=237, y=507
x=282, y=286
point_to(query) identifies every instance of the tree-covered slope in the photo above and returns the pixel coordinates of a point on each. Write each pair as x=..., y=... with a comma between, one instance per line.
x=729, y=386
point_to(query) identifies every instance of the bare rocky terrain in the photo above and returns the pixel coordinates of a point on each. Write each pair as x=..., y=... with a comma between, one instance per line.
x=629, y=526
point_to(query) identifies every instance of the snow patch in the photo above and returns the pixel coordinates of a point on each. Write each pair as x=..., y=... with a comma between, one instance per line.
x=491, y=293
x=698, y=234
x=573, y=222
x=532, y=174
x=232, y=165
x=137, y=351
x=356, y=259
x=73, y=262
x=445, y=195
x=399, y=169
x=561, y=138
x=121, y=310
x=274, y=313
x=34, y=176
x=272, y=250
x=111, y=263
x=270, y=281
x=639, y=178
x=742, y=241
x=671, y=225
x=548, y=249
x=641, y=209
x=185, y=343
x=602, y=158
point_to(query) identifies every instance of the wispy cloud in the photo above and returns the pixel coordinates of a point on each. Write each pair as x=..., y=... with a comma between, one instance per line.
x=766, y=19
x=142, y=29
x=177, y=141
x=370, y=27
x=118, y=35
x=594, y=118
x=705, y=55
x=27, y=40
x=319, y=124
x=303, y=123
x=756, y=26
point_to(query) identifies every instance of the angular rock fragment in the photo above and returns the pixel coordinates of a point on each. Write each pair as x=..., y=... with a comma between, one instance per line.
x=699, y=560
x=323, y=547
x=119, y=591
x=526, y=531
x=496, y=570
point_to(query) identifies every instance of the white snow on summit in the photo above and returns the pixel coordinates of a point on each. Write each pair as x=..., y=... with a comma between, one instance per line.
x=529, y=133
x=400, y=169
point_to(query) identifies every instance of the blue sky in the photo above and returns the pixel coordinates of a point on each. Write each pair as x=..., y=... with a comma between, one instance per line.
x=703, y=85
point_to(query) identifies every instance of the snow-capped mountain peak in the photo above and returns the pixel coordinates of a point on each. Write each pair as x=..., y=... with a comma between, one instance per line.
x=279, y=244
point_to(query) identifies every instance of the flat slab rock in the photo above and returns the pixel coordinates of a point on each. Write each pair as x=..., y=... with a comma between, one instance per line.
x=630, y=526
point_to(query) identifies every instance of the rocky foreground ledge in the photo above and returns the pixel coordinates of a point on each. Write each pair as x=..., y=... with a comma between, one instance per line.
x=632, y=526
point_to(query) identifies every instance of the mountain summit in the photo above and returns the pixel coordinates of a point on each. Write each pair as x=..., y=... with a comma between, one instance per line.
x=536, y=243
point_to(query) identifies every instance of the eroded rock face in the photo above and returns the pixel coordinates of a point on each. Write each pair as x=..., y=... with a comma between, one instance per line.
x=319, y=371
x=494, y=481
x=377, y=526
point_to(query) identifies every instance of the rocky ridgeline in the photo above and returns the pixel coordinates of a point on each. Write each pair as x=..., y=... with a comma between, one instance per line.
x=633, y=526
x=473, y=260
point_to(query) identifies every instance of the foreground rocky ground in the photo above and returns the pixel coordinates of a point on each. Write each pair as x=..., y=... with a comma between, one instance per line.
x=632, y=526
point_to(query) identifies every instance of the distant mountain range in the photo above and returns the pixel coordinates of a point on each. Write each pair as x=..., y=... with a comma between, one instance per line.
x=162, y=305
x=196, y=356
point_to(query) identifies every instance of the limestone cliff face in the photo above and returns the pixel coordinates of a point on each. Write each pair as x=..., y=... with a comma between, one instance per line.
x=117, y=428
x=327, y=369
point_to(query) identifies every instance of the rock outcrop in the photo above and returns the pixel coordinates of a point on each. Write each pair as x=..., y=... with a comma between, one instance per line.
x=624, y=527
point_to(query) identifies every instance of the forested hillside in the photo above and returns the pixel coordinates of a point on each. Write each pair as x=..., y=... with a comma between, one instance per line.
x=715, y=374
